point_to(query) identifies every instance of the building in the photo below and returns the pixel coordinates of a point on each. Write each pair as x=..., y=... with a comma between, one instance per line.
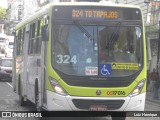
x=12, y=16
x=18, y=10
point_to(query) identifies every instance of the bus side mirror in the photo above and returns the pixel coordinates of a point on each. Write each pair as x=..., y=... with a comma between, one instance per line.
x=45, y=32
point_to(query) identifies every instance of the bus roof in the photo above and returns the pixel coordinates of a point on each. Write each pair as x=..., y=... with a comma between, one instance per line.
x=104, y=3
x=44, y=10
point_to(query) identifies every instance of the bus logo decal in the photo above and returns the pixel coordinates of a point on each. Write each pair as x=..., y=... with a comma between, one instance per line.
x=98, y=92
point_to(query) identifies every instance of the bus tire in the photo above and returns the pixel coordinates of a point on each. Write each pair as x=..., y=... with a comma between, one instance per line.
x=118, y=116
x=21, y=98
x=37, y=106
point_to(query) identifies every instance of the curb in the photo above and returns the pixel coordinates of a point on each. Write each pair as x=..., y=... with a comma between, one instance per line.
x=153, y=101
x=149, y=98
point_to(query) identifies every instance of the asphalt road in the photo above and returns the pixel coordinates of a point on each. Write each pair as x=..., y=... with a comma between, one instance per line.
x=9, y=102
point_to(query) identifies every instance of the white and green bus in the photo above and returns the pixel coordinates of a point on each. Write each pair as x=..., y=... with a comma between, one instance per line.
x=82, y=56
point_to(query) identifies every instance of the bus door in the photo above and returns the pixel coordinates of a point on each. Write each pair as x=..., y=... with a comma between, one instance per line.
x=25, y=70
x=32, y=62
x=43, y=69
x=43, y=63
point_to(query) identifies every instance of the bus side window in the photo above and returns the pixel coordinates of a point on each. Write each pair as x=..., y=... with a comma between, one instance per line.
x=19, y=41
x=39, y=36
x=35, y=38
x=22, y=41
x=31, y=39
x=44, y=28
x=45, y=32
x=38, y=39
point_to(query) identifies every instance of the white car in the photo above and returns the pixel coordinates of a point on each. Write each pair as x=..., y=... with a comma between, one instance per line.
x=9, y=46
x=9, y=50
x=3, y=39
x=6, y=69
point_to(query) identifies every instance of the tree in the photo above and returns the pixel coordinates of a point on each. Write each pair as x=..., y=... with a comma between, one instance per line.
x=2, y=13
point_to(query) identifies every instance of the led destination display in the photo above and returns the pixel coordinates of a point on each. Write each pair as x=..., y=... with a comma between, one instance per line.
x=95, y=13
x=104, y=14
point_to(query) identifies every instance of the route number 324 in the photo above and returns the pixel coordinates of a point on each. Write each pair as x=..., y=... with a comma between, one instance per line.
x=66, y=59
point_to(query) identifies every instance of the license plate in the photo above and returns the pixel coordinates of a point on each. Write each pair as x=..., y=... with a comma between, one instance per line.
x=98, y=108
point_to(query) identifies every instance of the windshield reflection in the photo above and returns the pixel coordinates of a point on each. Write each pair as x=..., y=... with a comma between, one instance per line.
x=84, y=50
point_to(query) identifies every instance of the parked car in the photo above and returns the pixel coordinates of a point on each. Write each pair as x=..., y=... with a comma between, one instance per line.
x=6, y=69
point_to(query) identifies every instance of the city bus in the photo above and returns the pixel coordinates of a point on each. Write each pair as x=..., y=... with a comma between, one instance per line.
x=81, y=56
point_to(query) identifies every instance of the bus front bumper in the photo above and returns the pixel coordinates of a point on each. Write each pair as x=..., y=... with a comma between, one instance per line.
x=58, y=102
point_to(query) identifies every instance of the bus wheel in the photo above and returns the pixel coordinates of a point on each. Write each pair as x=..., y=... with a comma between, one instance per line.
x=21, y=98
x=118, y=118
x=38, y=108
x=118, y=115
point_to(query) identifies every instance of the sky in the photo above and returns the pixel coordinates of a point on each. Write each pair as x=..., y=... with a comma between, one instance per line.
x=3, y=3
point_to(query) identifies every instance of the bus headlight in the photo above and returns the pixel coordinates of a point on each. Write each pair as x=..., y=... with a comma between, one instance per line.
x=56, y=87
x=137, y=90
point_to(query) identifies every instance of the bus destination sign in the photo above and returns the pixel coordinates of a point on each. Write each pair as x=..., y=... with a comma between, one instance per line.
x=94, y=14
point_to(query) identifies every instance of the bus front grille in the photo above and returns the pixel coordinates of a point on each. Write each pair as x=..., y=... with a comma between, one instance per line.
x=85, y=104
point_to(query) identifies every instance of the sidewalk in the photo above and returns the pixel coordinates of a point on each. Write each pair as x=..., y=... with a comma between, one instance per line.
x=149, y=97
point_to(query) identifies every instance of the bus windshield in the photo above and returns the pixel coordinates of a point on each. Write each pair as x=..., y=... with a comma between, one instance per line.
x=97, y=50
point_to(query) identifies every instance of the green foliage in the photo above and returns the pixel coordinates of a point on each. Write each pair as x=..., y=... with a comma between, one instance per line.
x=2, y=13
x=152, y=28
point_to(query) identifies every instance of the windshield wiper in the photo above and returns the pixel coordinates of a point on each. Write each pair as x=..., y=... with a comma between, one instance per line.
x=114, y=36
x=130, y=38
x=83, y=30
x=87, y=34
